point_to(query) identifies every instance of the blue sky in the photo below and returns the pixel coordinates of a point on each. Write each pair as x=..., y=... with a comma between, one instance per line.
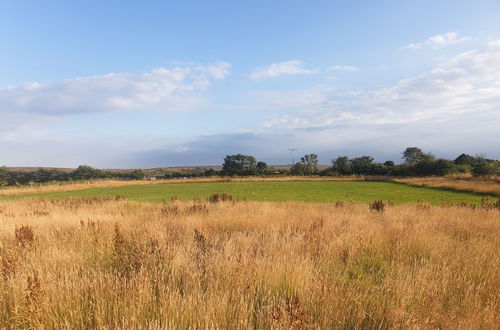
x=154, y=83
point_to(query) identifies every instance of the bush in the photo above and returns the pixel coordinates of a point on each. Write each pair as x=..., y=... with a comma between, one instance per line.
x=215, y=198
x=377, y=206
x=484, y=167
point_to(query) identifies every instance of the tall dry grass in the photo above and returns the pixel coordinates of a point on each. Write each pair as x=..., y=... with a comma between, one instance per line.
x=83, y=264
x=472, y=184
x=66, y=186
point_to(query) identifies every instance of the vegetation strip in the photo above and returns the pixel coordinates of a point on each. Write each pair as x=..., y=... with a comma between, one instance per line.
x=280, y=191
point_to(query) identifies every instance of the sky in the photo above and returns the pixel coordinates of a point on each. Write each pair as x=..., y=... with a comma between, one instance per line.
x=142, y=84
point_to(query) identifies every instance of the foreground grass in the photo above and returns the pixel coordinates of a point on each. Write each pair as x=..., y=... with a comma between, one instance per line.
x=279, y=191
x=118, y=264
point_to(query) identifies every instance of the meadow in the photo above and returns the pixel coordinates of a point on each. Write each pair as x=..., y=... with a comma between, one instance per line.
x=256, y=190
x=283, y=253
x=119, y=264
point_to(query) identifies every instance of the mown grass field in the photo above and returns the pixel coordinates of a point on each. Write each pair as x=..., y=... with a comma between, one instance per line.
x=277, y=191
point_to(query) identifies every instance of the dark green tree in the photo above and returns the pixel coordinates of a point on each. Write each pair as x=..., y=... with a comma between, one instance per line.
x=485, y=167
x=261, y=167
x=239, y=165
x=299, y=169
x=4, y=177
x=85, y=172
x=310, y=163
x=412, y=155
x=342, y=165
x=362, y=165
x=443, y=167
x=389, y=163
x=137, y=175
x=210, y=172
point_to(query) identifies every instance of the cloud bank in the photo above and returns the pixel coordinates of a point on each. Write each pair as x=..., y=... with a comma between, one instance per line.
x=466, y=83
x=160, y=89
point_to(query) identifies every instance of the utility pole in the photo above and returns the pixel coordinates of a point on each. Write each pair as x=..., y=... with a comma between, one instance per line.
x=292, y=150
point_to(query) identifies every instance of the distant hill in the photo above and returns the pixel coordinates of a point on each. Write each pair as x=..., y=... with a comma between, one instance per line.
x=147, y=170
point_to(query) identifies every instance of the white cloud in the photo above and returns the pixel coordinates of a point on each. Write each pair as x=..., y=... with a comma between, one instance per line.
x=160, y=89
x=280, y=69
x=464, y=84
x=494, y=45
x=343, y=68
x=438, y=41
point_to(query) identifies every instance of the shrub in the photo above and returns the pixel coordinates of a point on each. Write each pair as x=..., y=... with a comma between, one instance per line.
x=220, y=197
x=377, y=206
x=127, y=256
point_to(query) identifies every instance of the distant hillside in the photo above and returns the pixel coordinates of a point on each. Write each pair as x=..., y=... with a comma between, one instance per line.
x=149, y=171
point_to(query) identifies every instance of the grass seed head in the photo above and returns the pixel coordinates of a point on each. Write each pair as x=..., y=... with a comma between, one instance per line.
x=24, y=236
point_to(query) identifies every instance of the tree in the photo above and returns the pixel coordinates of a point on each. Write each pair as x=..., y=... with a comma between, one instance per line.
x=210, y=172
x=389, y=163
x=261, y=167
x=362, y=165
x=484, y=167
x=443, y=167
x=85, y=172
x=239, y=165
x=414, y=155
x=4, y=177
x=342, y=165
x=137, y=175
x=298, y=169
x=310, y=162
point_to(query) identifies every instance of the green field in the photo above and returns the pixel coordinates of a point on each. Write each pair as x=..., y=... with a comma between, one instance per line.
x=308, y=191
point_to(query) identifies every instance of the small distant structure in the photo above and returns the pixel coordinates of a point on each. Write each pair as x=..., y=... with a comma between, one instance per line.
x=152, y=178
x=293, y=150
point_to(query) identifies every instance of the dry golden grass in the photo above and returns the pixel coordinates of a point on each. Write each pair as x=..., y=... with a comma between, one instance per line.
x=78, y=185
x=81, y=264
x=464, y=183
x=66, y=186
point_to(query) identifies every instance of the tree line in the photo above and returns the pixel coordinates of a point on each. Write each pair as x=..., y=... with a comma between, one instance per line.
x=415, y=163
x=83, y=172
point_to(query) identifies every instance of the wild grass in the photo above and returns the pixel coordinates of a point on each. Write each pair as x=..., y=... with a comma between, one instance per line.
x=91, y=263
x=487, y=185
x=65, y=186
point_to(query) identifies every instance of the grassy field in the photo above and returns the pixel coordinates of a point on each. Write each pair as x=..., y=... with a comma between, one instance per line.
x=89, y=264
x=79, y=185
x=307, y=191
